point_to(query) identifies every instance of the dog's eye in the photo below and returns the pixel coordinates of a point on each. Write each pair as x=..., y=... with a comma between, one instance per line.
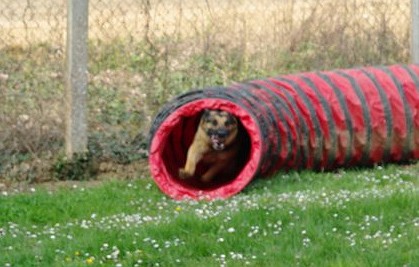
x=212, y=122
x=230, y=122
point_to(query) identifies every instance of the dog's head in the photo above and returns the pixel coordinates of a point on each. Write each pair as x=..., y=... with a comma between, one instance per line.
x=220, y=126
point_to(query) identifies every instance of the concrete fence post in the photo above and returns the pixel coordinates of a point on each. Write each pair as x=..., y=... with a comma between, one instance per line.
x=76, y=77
x=414, y=50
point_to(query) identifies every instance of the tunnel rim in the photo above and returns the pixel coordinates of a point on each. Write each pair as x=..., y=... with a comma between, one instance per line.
x=176, y=190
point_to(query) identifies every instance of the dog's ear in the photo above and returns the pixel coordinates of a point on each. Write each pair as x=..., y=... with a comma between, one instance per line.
x=206, y=113
x=231, y=120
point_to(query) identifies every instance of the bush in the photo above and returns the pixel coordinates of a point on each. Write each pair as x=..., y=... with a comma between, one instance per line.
x=79, y=167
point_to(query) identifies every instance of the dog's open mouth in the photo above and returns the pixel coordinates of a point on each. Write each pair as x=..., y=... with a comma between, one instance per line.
x=217, y=142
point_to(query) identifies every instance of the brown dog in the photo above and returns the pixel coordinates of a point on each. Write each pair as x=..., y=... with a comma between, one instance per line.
x=215, y=144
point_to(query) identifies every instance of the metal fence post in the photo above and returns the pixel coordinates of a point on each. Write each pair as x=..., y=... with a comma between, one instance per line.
x=414, y=49
x=76, y=77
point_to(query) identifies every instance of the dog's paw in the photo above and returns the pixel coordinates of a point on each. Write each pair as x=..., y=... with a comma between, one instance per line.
x=183, y=174
x=206, y=178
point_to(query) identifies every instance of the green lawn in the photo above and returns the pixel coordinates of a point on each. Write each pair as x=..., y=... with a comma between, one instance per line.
x=364, y=217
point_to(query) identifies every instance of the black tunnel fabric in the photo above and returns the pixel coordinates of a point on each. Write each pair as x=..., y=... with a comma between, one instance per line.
x=315, y=120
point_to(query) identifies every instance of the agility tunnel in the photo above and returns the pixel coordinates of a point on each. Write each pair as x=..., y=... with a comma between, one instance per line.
x=314, y=120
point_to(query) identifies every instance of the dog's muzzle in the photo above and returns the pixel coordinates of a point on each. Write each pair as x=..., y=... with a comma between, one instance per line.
x=217, y=142
x=218, y=138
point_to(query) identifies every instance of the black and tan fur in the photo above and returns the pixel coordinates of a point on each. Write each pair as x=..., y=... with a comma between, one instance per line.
x=215, y=143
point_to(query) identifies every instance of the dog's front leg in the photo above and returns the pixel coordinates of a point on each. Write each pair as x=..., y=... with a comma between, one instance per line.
x=212, y=171
x=194, y=155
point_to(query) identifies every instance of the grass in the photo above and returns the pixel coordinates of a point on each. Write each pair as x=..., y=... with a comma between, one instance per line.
x=365, y=217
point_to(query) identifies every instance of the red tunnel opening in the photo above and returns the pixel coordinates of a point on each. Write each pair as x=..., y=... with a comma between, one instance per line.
x=173, y=138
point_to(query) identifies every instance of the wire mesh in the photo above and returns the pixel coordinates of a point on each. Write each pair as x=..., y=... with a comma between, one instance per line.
x=144, y=52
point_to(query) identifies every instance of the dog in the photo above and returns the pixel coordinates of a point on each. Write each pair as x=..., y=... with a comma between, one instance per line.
x=216, y=144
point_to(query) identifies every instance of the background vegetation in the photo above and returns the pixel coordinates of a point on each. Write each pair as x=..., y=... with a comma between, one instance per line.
x=142, y=53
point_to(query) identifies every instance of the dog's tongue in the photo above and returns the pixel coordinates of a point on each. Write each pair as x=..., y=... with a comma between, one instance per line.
x=217, y=144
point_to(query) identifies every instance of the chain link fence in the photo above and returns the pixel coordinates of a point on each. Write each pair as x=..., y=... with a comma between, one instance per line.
x=142, y=52
x=254, y=28
x=365, y=31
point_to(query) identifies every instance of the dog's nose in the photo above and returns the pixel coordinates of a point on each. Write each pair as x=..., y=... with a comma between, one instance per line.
x=222, y=133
